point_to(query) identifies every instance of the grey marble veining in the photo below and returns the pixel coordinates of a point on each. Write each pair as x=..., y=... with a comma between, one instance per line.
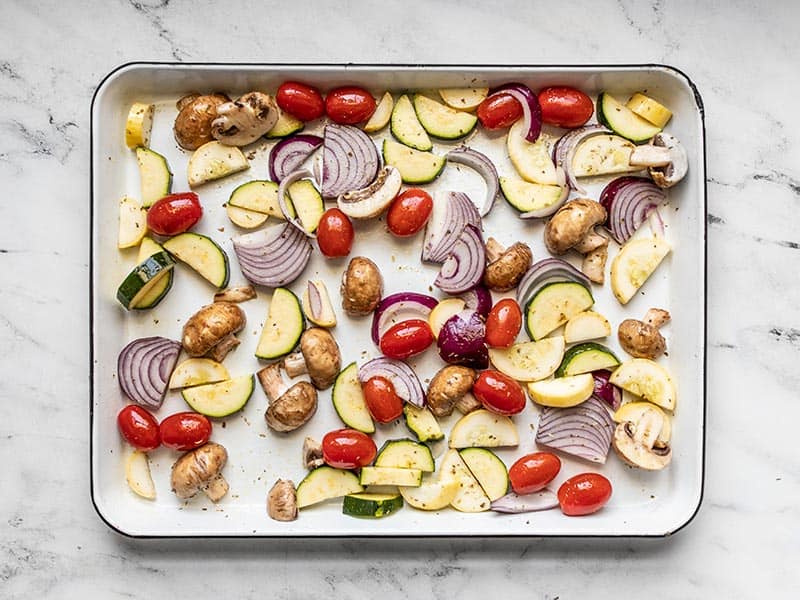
x=742, y=55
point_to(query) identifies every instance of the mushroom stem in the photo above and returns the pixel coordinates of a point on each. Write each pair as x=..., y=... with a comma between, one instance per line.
x=223, y=347
x=236, y=294
x=295, y=364
x=594, y=263
x=591, y=241
x=467, y=403
x=312, y=453
x=656, y=317
x=216, y=488
x=272, y=381
x=650, y=156
x=494, y=250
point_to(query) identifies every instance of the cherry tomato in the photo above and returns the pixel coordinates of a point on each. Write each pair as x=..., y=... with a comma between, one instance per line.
x=174, y=214
x=499, y=111
x=335, y=233
x=499, y=393
x=503, y=324
x=406, y=339
x=533, y=472
x=409, y=212
x=139, y=428
x=349, y=105
x=348, y=449
x=565, y=106
x=185, y=431
x=301, y=101
x=584, y=494
x=382, y=401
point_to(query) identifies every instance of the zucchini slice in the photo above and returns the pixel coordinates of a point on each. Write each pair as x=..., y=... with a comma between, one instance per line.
x=406, y=127
x=382, y=114
x=442, y=121
x=202, y=254
x=285, y=126
x=132, y=222
x=431, y=494
x=325, y=483
x=585, y=358
x=622, y=120
x=139, y=124
x=532, y=161
x=259, y=196
x=283, y=327
x=348, y=400
x=244, y=218
x=371, y=505
x=147, y=248
x=464, y=98
x=554, y=305
x=488, y=469
x=650, y=110
x=603, y=155
x=525, y=196
x=307, y=203
x=563, y=392
x=470, y=496
x=154, y=175
x=220, y=399
x=197, y=371
x=214, y=160
x=414, y=166
x=529, y=361
x=143, y=278
x=483, y=429
x=588, y=325
x=648, y=380
x=635, y=263
x=390, y=476
x=405, y=454
x=422, y=423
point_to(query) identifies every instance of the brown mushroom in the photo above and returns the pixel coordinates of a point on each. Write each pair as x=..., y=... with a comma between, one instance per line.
x=362, y=287
x=290, y=407
x=506, y=265
x=192, y=126
x=447, y=387
x=282, y=501
x=312, y=454
x=243, y=121
x=241, y=293
x=642, y=339
x=636, y=442
x=572, y=227
x=318, y=356
x=212, y=325
x=201, y=470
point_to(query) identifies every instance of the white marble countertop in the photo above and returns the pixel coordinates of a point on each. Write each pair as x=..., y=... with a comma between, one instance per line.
x=743, y=543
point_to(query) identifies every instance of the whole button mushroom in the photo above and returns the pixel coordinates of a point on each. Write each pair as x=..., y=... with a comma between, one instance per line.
x=282, y=501
x=506, y=265
x=448, y=387
x=245, y=120
x=201, y=471
x=642, y=339
x=210, y=331
x=318, y=356
x=192, y=126
x=362, y=287
x=290, y=406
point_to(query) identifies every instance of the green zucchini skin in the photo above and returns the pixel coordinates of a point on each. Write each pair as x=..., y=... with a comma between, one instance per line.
x=143, y=277
x=373, y=506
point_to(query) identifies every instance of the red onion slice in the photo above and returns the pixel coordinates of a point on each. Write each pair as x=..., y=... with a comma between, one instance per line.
x=272, y=257
x=629, y=202
x=452, y=212
x=513, y=503
x=144, y=367
x=350, y=160
x=462, y=340
x=485, y=168
x=464, y=268
x=547, y=270
x=531, y=110
x=605, y=390
x=288, y=154
x=404, y=379
x=478, y=299
x=564, y=151
x=283, y=189
x=584, y=431
x=399, y=307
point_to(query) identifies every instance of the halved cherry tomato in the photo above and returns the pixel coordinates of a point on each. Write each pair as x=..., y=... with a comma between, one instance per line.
x=406, y=339
x=499, y=393
x=335, y=233
x=139, y=428
x=584, y=494
x=185, y=431
x=499, y=111
x=300, y=100
x=564, y=106
x=382, y=401
x=174, y=214
x=348, y=449
x=349, y=105
x=409, y=212
x=533, y=472
x=503, y=324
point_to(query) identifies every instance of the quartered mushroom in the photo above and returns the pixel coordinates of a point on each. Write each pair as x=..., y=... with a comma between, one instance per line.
x=375, y=198
x=282, y=501
x=312, y=454
x=290, y=406
x=506, y=265
x=196, y=113
x=201, y=471
x=665, y=176
x=318, y=356
x=637, y=442
x=448, y=388
x=572, y=227
x=236, y=294
x=642, y=339
x=243, y=121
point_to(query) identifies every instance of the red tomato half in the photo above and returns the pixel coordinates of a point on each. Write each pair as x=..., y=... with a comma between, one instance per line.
x=185, y=431
x=533, y=472
x=174, y=214
x=565, y=107
x=139, y=428
x=348, y=449
x=584, y=494
x=409, y=212
x=406, y=339
x=499, y=111
x=382, y=401
x=503, y=324
x=335, y=233
x=301, y=101
x=499, y=393
x=349, y=105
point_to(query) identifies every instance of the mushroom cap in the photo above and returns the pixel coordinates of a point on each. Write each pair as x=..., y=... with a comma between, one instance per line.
x=282, y=501
x=322, y=356
x=194, y=470
x=192, y=126
x=293, y=409
x=245, y=120
x=639, y=453
x=362, y=286
x=669, y=175
x=571, y=223
x=447, y=387
x=640, y=339
x=210, y=325
x=505, y=273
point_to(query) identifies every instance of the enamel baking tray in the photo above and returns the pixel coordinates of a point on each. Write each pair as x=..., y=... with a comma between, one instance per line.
x=643, y=503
